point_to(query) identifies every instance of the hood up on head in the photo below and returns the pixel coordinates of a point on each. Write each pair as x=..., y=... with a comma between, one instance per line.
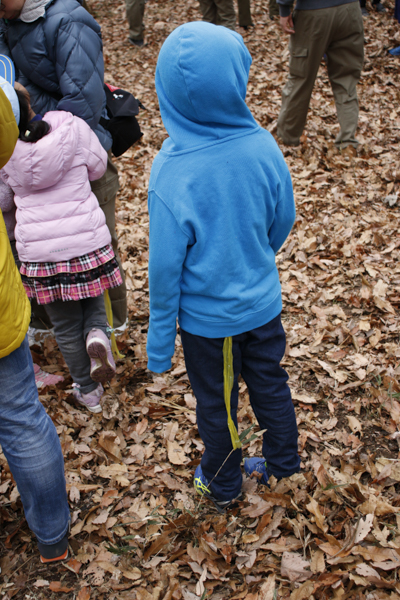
x=201, y=80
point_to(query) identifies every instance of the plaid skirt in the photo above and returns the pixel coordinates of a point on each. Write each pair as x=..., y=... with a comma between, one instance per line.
x=87, y=276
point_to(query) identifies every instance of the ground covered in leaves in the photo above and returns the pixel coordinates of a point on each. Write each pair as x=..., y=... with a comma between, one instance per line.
x=138, y=529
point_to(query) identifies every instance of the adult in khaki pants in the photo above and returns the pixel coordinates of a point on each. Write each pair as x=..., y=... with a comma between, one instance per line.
x=70, y=78
x=244, y=14
x=337, y=32
x=105, y=189
x=134, y=14
x=219, y=12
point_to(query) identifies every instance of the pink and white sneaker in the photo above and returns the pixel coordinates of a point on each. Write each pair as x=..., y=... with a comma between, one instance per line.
x=91, y=400
x=102, y=364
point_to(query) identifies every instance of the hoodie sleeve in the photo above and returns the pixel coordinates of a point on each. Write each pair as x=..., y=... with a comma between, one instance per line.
x=285, y=214
x=168, y=246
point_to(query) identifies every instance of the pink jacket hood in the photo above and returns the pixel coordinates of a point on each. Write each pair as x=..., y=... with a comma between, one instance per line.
x=58, y=216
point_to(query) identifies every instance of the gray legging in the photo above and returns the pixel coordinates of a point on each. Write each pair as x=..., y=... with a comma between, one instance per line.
x=72, y=322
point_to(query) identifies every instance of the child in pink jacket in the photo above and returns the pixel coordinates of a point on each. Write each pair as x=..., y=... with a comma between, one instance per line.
x=63, y=243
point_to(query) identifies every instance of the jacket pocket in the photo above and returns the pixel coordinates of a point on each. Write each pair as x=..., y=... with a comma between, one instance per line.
x=298, y=61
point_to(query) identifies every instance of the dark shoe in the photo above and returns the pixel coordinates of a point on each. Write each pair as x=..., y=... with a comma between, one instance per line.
x=256, y=465
x=138, y=43
x=379, y=7
x=364, y=12
x=201, y=486
x=54, y=552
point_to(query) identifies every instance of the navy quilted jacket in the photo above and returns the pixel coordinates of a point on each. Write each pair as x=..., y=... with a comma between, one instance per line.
x=59, y=59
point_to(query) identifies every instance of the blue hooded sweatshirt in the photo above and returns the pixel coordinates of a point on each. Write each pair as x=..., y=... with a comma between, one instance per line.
x=220, y=197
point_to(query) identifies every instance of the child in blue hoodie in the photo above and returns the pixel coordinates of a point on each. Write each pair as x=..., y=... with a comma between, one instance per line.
x=221, y=205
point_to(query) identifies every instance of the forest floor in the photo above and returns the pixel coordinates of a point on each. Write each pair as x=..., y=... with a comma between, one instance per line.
x=139, y=531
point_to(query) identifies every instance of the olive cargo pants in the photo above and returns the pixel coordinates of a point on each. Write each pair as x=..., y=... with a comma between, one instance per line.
x=337, y=32
x=134, y=14
x=244, y=13
x=219, y=12
x=105, y=189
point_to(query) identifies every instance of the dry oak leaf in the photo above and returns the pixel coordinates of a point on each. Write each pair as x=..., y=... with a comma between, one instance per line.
x=41, y=583
x=363, y=529
x=97, y=572
x=84, y=594
x=377, y=555
x=354, y=424
x=377, y=506
x=381, y=535
x=384, y=305
x=154, y=562
x=303, y=592
x=170, y=482
x=267, y=590
x=364, y=326
x=101, y=518
x=340, y=376
x=57, y=586
x=314, y=509
x=380, y=289
x=366, y=571
x=74, y=494
x=386, y=566
x=257, y=507
x=387, y=468
x=294, y=567
x=271, y=528
x=245, y=559
x=195, y=553
x=110, y=568
x=317, y=562
x=196, y=568
x=304, y=398
x=109, y=441
x=249, y=538
x=73, y=565
x=188, y=595
x=133, y=573
x=176, y=454
x=114, y=470
x=284, y=544
x=200, y=584
x=160, y=542
x=359, y=580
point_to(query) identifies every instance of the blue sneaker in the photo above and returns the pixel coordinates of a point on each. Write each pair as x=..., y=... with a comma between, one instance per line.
x=256, y=465
x=201, y=486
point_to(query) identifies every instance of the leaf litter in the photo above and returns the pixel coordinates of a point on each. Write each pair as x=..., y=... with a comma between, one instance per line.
x=138, y=529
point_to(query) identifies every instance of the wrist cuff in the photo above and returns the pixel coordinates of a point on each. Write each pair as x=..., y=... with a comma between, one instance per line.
x=284, y=10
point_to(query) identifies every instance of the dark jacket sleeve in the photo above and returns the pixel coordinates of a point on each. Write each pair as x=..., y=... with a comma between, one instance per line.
x=39, y=96
x=78, y=59
x=59, y=59
x=285, y=7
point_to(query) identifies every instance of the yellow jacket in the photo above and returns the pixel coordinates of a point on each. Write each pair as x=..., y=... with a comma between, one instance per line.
x=15, y=310
x=8, y=129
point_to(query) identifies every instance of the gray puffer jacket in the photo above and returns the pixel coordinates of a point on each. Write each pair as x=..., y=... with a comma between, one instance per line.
x=59, y=59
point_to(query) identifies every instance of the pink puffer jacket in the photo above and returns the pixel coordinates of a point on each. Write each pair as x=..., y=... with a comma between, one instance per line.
x=58, y=216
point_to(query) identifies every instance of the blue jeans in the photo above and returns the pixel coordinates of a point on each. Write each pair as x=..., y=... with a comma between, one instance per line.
x=256, y=356
x=31, y=446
